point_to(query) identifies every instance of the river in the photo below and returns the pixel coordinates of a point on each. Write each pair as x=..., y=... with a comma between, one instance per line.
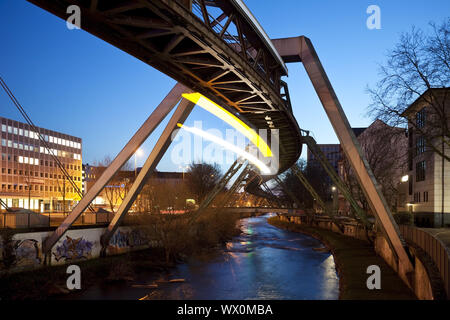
x=264, y=262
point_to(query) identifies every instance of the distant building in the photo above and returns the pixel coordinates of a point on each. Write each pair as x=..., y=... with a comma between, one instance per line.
x=331, y=151
x=383, y=147
x=114, y=192
x=29, y=177
x=429, y=173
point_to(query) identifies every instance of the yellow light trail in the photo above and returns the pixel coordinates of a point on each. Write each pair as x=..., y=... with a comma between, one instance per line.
x=225, y=144
x=231, y=119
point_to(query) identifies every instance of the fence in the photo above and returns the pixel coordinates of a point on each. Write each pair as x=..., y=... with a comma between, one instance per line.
x=433, y=247
x=42, y=220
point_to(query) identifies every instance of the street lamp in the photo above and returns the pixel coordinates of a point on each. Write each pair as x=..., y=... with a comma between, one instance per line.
x=335, y=200
x=138, y=152
x=183, y=168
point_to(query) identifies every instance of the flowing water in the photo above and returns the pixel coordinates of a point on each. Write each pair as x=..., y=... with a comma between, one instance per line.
x=264, y=262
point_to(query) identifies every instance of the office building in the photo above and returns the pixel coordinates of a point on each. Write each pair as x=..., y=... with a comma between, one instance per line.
x=29, y=176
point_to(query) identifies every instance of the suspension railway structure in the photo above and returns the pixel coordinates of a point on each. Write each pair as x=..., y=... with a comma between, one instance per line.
x=217, y=48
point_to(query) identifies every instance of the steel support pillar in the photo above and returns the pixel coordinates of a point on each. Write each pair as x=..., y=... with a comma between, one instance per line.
x=180, y=115
x=218, y=187
x=340, y=185
x=236, y=185
x=298, y=173
x=300, y=49
x=130, y=148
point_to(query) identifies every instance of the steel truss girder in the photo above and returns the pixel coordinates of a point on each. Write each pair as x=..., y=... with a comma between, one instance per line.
x=300, y=49
x=167, y=35
x=130, y=148
x=180, y=115
x=340, y=185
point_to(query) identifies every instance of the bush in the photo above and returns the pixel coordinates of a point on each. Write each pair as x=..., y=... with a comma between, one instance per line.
x=178, y=235
x=8, y=248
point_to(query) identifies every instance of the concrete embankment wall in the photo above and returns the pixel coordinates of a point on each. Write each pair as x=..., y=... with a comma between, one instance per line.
x=75, y=245
x=420, y=281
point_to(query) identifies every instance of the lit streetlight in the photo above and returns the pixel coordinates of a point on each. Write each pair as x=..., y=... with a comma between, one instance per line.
x=138, y=152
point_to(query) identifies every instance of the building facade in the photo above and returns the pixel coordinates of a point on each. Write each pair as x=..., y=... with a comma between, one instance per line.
x=384, y=148
x=429, y=172
x=29, y=176
x=333, y=153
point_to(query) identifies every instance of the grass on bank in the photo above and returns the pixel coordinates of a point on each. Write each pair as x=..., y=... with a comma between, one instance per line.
x=352, y=257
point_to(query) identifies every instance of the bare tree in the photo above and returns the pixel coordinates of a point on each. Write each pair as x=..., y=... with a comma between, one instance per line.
x=419, y=62
x=386, y=150
x=201, y=179
x=120, y=183
x=316, y=176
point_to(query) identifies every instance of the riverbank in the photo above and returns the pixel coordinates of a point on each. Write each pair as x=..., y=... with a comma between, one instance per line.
x=50, y=282
x=177, y=244
x=352, y=257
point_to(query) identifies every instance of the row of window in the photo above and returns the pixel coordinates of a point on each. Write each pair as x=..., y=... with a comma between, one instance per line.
x=35, y=135
x=15, y=187
x=26, y=147
x=20, y=159
x=36, y=174
x=417, y=196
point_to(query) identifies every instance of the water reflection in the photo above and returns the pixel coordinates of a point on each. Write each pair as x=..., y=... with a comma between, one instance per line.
x=264, y=262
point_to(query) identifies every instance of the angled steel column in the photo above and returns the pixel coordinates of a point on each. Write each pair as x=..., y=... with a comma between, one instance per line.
x=236, y=185
x=342, y=187
x=300, y=49
x=180, y=115
x=130, y=148
x=237, y=164
x=299, y=174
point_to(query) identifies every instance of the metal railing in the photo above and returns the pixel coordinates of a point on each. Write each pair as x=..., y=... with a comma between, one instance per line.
x=437, y=250
x=44, y=220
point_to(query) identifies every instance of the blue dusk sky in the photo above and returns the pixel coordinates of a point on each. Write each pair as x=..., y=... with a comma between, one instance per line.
x=73, y=82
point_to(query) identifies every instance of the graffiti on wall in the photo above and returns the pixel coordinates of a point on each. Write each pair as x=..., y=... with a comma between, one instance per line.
x=125, y=240
x=73, y=249
x=28, y=253
x=25, y=253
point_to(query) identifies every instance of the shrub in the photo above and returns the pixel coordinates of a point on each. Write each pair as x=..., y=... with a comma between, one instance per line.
x=8, y=248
